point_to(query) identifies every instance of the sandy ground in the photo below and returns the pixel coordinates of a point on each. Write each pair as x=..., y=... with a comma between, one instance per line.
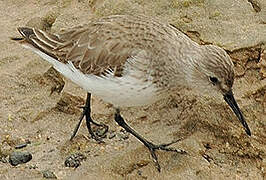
x=215, y=141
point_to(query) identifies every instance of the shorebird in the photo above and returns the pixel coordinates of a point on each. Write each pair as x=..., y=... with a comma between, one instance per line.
x=134, y=61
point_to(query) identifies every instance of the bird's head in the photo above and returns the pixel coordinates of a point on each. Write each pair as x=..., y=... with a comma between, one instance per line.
x=213, y=75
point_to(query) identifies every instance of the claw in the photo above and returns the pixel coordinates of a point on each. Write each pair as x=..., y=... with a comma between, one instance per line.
x=152, y=147
x=163, y=147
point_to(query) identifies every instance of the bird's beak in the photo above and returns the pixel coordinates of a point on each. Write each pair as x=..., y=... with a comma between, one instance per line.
x=229, y=98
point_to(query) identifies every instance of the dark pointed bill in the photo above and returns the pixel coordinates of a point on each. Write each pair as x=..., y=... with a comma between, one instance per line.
x=229, y=98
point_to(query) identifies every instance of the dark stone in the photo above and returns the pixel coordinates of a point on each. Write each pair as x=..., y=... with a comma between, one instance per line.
x=17, y=157
x=74, y=160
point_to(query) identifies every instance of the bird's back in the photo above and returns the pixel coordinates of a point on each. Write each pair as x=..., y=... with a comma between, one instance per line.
x=106, y=43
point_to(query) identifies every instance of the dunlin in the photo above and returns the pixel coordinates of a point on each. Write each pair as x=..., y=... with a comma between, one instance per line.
x=134, y=61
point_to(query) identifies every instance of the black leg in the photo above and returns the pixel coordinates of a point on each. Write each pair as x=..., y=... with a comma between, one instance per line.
x=87, y=113
x=152, y=147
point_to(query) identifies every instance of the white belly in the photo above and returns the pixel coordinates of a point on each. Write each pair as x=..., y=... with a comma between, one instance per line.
x=125, y=91
x=128, y=90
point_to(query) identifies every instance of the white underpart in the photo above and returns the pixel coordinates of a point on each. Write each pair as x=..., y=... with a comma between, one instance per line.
x=128, y=90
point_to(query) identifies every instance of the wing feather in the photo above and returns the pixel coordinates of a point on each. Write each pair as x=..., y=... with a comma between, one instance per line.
x=102, y=45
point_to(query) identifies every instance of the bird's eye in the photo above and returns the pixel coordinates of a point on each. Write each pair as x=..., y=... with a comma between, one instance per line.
x=213, y=80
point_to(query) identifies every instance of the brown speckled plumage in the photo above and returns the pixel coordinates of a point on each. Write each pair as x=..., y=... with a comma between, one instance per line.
x=106, y=43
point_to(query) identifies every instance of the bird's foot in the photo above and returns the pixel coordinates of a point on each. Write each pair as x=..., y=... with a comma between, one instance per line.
x=152, y=148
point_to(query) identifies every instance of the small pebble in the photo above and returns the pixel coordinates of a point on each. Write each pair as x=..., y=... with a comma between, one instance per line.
x=17, y=157
x=20, y=146
x=27, y=141
x=101, y=132
x=33, y=166
x=48, y=174
x=112, y=135
x=3, y=159
x=139, y=172
x=51, y=150
x=74, y=160
x=122, y=135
